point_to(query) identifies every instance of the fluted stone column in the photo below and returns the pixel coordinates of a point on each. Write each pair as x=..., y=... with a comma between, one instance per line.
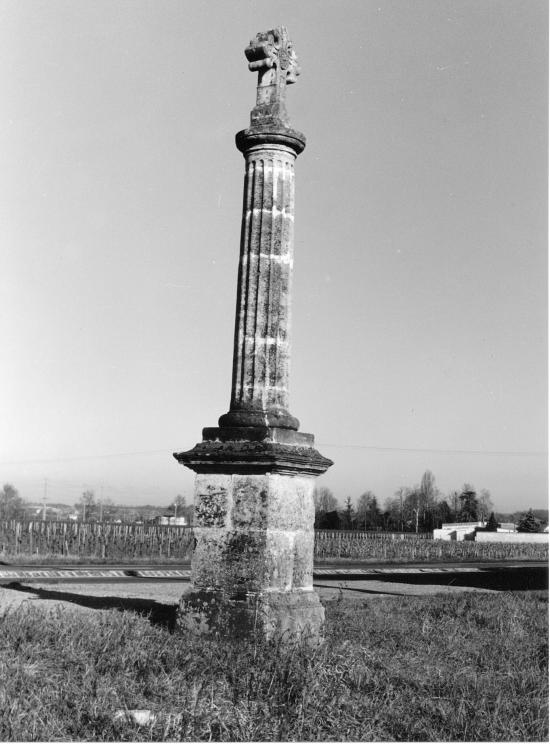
x=259, y=394
x=252, y=567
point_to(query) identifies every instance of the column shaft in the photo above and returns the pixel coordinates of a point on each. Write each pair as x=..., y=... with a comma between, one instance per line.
x=261, y=356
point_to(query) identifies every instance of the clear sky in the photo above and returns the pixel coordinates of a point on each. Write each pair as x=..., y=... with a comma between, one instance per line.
x=420, y=284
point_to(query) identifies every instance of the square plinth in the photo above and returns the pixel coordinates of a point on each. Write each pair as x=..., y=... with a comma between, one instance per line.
x=253, y=533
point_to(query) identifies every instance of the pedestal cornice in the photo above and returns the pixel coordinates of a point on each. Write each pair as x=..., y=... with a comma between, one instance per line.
x=254, y=457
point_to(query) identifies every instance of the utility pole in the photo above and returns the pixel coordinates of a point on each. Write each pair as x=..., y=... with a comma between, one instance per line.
x=44, y=499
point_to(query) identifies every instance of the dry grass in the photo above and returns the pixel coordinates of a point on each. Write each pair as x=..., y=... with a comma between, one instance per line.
x=444, y=668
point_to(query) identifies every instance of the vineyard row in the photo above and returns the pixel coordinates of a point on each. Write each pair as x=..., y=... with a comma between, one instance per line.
x=124, y=542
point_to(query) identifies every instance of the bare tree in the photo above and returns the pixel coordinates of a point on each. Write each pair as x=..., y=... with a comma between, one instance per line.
x=368, y=512
x=87, y=506
x=349, y=515
x=485, y=504
x=178, y=504
x=11, y=503
x=324, y=500
x=400, y=496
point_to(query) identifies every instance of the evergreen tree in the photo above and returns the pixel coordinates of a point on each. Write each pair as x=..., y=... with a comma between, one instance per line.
x=528, y=523
x=492, y=523
x=468, y=504
x=349, y=516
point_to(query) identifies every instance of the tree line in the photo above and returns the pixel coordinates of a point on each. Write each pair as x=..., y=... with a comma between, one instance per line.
x=90, y=508
x=420, y=508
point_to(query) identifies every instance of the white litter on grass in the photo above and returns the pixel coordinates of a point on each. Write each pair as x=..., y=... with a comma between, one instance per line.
x=144, y=717
x=140, y=716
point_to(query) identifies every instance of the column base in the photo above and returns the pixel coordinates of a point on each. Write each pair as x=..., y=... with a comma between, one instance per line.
x=274, y=417
x=288, y=616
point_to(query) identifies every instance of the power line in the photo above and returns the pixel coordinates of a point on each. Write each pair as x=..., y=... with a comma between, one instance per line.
x=83, y=457
x=374, y=448
x=427, y=449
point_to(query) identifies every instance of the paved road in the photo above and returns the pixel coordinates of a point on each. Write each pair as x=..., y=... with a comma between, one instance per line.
x=497, y=576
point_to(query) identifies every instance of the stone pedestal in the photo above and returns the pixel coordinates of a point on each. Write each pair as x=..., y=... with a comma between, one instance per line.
x=252, y=566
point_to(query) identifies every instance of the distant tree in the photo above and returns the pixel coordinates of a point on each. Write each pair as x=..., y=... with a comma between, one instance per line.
x=369, y=515
x=324, y=500
x=87, y=508
x=106, y=509
x=541, y=515
x=453, y=501
x=399, y=503
x=469, y=509
x=325, y=503
x=443, y=513
x=412, y=508
x=177, y=506
x=429, y=497
x=11, y=503
x=492, y=524
x=391, y=517
x=528, y=523
x=328, y=521
x=485, y=504
x=428, y=488
x=348, y=515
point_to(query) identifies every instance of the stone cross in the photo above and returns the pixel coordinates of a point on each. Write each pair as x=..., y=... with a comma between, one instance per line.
x=272, y=55
x=252, y=567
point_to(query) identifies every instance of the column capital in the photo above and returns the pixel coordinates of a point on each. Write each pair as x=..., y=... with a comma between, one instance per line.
x=267, y=136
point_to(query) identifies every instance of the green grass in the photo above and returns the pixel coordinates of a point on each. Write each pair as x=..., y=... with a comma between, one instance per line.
x=468, y=667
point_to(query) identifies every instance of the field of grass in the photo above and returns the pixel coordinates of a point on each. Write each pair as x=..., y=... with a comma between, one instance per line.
x=470, y=667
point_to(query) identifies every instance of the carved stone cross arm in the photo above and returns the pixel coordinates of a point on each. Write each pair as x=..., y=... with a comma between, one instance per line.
x=272, y=56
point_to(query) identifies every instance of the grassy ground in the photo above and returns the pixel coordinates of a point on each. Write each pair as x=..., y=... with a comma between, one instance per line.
x=443, y=668
x=54, y=559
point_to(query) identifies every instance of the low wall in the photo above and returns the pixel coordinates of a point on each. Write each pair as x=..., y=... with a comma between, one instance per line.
x=512, y=537
x=456, y=534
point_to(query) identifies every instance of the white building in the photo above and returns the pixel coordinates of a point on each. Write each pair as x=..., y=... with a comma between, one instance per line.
x=174, y=521
x=457, y=531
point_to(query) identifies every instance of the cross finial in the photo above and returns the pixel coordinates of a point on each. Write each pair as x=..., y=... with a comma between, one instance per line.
x=272, y=55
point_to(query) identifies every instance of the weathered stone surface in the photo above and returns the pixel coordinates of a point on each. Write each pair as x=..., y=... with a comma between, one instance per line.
x=288, y=615
x=252, y=567
x=244, y=456
x=253, y=532
x=261, y=358
x=272, y=55
x=257, y=434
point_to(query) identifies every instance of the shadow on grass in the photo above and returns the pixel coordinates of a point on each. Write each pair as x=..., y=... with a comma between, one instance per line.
x=156, y=612
x=498, y=578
